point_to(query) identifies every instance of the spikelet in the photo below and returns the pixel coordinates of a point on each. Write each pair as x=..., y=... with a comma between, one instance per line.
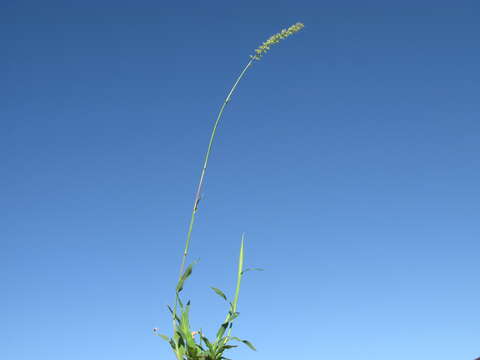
x=262, y=49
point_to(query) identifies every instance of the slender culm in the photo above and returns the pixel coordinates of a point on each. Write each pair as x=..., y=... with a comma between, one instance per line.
x=259, y=52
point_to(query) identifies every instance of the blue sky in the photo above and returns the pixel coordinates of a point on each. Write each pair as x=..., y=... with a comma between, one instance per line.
x=349, y=156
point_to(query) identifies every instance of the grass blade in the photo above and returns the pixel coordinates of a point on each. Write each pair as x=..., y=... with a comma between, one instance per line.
x=219, y=292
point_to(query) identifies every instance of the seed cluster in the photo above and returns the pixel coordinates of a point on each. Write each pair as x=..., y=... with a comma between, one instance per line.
x=262, y=49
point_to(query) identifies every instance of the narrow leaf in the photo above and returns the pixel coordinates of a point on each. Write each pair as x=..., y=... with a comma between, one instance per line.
x=185, y=276
x=252, y=269
x=164, y=337
x=246, y=342
x=249, y=344
x=207, y=342
x=179, y=301
x=219, y=292
x=221, y=331
x=171, y=311
x=239, y=274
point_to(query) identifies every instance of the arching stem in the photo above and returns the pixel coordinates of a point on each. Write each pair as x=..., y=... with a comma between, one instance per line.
x=198, y=193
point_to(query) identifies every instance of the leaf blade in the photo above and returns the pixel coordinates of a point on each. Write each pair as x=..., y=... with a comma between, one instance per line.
x=219, y=293
x=184, y=277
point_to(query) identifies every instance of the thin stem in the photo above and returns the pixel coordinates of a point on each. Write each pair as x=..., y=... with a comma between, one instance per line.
x=198, y=193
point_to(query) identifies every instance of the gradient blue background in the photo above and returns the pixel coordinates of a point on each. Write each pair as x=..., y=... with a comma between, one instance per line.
x=349, y=156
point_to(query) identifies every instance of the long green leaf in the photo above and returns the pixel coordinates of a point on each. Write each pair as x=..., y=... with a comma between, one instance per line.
x=239, y=274
x=233, y=306
x=246, y=342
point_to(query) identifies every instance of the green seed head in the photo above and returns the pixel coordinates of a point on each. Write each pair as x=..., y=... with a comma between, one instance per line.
x=262, y=49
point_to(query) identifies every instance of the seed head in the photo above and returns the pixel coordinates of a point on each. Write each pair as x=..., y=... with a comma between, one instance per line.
x=262, y=49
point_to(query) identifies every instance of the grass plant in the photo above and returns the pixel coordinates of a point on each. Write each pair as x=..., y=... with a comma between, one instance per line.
x=195, y=345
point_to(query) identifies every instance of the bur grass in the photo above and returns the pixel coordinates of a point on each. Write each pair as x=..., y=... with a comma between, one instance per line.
x=194, y=345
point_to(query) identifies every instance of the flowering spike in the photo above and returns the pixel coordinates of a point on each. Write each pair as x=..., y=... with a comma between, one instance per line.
x=262, y=49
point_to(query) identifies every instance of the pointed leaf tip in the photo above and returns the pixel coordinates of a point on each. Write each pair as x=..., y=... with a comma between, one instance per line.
x=249, y=344
x=164, y=337
x=246, y=342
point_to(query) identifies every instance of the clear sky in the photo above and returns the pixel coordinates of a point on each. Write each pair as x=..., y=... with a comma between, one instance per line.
x=349, y=156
